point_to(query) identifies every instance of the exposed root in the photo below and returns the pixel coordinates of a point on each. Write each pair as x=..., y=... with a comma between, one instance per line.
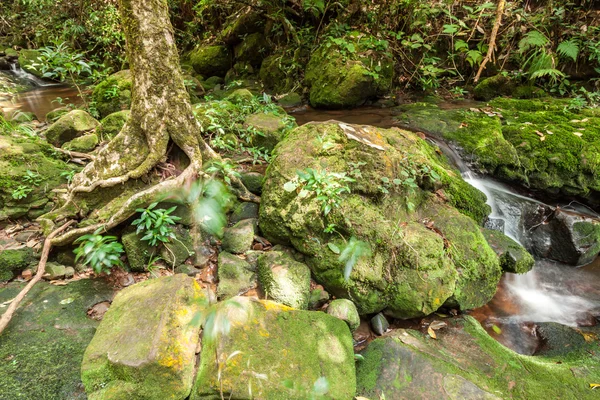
x=7, y=316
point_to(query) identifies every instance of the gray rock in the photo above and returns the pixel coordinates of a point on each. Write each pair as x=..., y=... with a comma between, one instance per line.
x=187, y=269
x=238, y=239
x=345, y=310
x=379, y=324
x=235, y=276
x=253, y=181
x=69, y=272
x=244, y=211
x=54, y=271
x=178, y=250
x=284, y=280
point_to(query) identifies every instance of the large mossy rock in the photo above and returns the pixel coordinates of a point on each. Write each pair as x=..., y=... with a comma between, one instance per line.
x=538, y=143
x=84, y=144
x=112, y=124
x=497, y=85
x=113, y=94
x=278, y=352
x=13, y=261
x=466, y=363
x=43, y=345
x=210, y=60
x=17, y=156
x=270, y=128
x=252, y=50
x=70, y=126
x=275, y=73
x=420, y=259
x=145, y=347
x=284, y=279
x=341, y=79
x=28, y=60
x=513, y=257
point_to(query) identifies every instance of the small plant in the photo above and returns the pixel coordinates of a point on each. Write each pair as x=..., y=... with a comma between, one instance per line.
x=68, y=175
x=32, y=178
x=225, y=168
x=99, y=252
x=156, y=224
x=20, y=192
x=327, y=186
x=354, y=250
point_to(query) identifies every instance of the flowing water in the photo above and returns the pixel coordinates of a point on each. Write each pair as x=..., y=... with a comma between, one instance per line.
x=40, y=97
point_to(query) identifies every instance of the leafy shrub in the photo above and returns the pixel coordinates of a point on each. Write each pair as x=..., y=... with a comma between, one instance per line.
x=100, y=252
x=157, y=224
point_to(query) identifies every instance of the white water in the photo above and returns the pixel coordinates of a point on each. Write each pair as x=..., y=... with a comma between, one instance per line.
x=551, y=291
x=29, y=78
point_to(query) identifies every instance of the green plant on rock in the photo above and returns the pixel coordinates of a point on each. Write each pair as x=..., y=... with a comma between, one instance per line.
x=32, y=178
x=99, y=252
x=156, y=224
x=20, y=192
x=68, y=175
x=326, y=186
x=224, y=168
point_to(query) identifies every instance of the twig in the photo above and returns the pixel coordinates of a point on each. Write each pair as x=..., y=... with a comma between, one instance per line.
x=75, y=154
x=492, y=45
x=7, y=316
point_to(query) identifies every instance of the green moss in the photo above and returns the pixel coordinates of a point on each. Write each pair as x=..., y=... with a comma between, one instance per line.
x=138, y=251
x=274, y=73
x=112, y=124
x=270, y=128
x=497, y=85
x=55, y=114
x=513, y=257
x=27, y=59
x=113, y=94
x=210, y=60
x=235, y=276
x=14, y=261
x=252, y=50
x=70, y=126
x=346, y=311
x=273, y=342
x=85, y=143
x=284, y=280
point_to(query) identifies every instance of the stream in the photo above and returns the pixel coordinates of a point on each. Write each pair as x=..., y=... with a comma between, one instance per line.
x=551, y=292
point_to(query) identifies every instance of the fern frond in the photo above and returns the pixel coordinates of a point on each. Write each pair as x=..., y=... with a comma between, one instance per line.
x=568, y=49
x=533, y=39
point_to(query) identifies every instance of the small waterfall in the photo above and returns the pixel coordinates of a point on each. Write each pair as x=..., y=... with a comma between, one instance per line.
x=28, y=78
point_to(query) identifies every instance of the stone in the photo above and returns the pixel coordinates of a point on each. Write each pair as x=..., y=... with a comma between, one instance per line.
x=284, y=280
x=253, y=49
x=271, y=129
x=318, y=297
x=84, y=144
x=379, y=324
x=148, y=336
x=74, y=124
x=210, y=60
x=113, y=94
x=513, y=257
x=253, y=181
x=238, y=238
x=13, y=261
x=112, y=124
x=235, y=276
x=240, y=96
x=46, y=338
x=69, y=272
x=408, y=274
x=345, y=310
x=55, y=114
x=291, y=350
x=54, y=271
x=497, y=85
x=177, y=251
x=244, y=211
x=210, y=83
x=187, y=269
x=338, y=80
x=274, y=73
x=466, y=363
x=138, y=252
x=290, y=100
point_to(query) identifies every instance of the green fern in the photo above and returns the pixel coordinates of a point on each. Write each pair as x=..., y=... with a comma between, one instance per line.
x=533, y=39
x=568, y=49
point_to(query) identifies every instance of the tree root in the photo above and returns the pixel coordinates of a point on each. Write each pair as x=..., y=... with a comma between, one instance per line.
x=7, y=316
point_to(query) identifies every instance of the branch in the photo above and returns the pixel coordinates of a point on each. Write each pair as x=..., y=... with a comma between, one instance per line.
x=74, y=154
x=7, y=316
x=492, y=45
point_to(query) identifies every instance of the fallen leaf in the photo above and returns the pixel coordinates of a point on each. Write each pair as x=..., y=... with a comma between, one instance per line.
x=431, y=333
x=496, y=329
x=579, y=134
x=333, y=248
x=594, y=385
x=436, y=325
x=549, y=132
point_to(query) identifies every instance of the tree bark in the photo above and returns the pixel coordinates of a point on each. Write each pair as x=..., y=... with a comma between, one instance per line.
x=161, y=112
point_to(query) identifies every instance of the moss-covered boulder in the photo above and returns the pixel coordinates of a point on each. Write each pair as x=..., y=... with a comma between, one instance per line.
x=113, y=94
x=13, y=261
x=236, y=276
x=513, y=257
x=84, y=144
x=138, y=252
x=43, y=345
x=284, y=279
x=238, y=238
x=72, y=125
x=210, y=60
x=275, y=74
x=28, y=61
x=466, y=363
x=278, y=352
x=341, y=78
x=55, y=114
x=253, y=181
x=112, y=124
x=345, y=310
x=426, y=246
x=240, y=26
x=538, y=143
x=179, y=249
x=253, y=49
x=145, y=346
x=269, y=129
x=494, y=86
x=22, y=157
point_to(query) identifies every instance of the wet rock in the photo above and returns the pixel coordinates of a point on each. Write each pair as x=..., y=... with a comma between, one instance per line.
x=293, y=350
x=235, y=276
x=346, y=311
x=138, y=251
x=147, y=334
x=210, y=60
x=13, y=261
x=318, y=297
x=272, y=129
x=84, y=144
x=112, y=124
x=43, y=345
x=54, y=271
x=379, y=324
x=244, y=211
x=253, y=181
x=495, y=224
x=466, y=363
x=74, y=124
x=4, y=64
x=238, y=239
x=513, y=257
x=283, y=279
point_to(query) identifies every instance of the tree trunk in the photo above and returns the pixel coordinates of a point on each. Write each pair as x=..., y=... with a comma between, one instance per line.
x=160, y=112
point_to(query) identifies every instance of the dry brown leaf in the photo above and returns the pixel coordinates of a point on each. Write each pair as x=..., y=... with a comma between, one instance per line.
x=431, y=333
